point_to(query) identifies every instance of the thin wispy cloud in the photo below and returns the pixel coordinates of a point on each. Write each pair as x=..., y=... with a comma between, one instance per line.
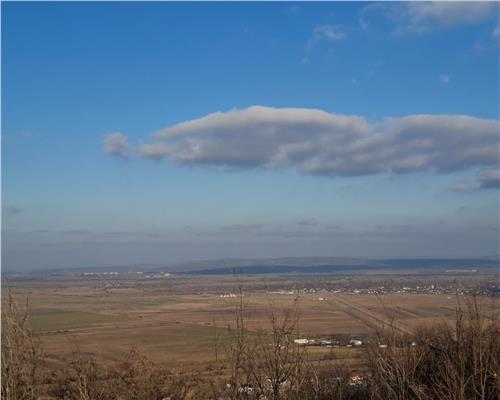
x=444, y=79
x=357, y=234
x=464, y=185
x=329, y=33
x=75, y=232
x=325, y=33
x=6, y=210
x=495, y=34
x=294, y=9
x=308, y=222
x=248, y=227
x=487, y=178
x=424, y=17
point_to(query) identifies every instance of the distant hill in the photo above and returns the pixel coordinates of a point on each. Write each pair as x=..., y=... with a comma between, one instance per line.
x=321, y=265
x=287, y=265
x=272, y=262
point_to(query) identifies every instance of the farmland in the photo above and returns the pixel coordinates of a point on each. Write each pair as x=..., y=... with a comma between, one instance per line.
x=182, y=321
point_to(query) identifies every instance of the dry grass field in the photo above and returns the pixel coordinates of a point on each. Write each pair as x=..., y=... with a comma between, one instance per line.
x=183, y=322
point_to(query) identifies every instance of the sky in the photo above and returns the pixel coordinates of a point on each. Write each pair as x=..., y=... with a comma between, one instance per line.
x=157, y=133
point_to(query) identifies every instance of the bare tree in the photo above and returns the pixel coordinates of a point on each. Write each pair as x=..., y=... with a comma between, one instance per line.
x=236, y=348
x=275, y=362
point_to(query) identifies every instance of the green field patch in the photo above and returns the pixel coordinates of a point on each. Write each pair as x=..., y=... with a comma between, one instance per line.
x=55, y=319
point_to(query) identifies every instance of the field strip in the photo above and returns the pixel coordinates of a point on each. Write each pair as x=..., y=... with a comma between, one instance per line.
x=371, y=319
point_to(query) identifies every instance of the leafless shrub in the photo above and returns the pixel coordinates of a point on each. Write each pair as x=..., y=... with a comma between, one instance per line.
x=21, y=357
x=132, y=378
x=140, y=378
x=396, y=369
x=331, y=383
x=464, y=361
x=91, y=380
x=440, y=362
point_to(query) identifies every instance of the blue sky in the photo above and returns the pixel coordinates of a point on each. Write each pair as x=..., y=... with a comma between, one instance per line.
x=163, y=132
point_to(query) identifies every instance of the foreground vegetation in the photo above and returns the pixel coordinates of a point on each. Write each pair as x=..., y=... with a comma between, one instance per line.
x=442, y=362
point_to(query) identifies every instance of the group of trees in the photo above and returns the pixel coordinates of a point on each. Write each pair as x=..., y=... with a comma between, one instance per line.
x=460, y=362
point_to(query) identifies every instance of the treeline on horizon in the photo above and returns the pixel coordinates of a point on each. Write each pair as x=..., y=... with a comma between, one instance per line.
x=439, y=362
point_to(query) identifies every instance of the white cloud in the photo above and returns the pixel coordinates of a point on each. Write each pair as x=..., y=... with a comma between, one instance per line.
x=426, y=16
x=317, y=142
x=258, y=136
x=155, y=150
x=116, y=144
